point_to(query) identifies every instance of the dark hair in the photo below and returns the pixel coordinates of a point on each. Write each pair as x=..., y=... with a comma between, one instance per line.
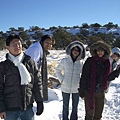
x=100, y=49
x=11, y=37
x=79, y=50
x=46, y=37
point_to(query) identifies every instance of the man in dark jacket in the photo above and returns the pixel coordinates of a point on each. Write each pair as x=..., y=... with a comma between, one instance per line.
x=20, y=83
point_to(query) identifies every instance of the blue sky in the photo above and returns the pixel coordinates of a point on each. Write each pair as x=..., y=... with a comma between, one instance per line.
x=48, y=13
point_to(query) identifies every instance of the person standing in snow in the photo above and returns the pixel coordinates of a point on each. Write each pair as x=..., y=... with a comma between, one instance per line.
x=115, y=58
x=114, y=61
x=115, y=64
x=93, y=81
x=20, y=83
x=68, y=72
x=38, y=52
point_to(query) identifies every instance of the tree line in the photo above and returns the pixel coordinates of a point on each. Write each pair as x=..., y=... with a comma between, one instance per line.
x=63, y=37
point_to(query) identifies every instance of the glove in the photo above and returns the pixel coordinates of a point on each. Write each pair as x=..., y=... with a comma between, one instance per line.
x=113, y=75
x=40, y=108
x=81, y=92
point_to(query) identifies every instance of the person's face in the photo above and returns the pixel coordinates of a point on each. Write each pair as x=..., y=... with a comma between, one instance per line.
x=15, y=47
x=75, y=52
x=115, y=56
x=47, y=44
x=100, y=53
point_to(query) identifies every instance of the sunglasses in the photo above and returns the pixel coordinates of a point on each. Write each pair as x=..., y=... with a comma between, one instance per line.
x=74, y=49
x=117, y=54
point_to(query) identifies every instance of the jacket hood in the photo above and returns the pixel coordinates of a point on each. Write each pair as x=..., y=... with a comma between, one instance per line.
x=80, y=45
x=103, y=45
x=116, y=50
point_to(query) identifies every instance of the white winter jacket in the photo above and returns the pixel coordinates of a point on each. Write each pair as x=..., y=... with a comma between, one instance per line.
x=69, y=74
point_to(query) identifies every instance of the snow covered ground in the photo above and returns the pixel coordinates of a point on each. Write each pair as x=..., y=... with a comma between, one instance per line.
x=53, y=107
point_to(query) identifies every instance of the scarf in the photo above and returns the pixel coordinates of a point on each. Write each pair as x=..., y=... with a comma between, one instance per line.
x=24, y=74
x=93, y=77
x=44, y=76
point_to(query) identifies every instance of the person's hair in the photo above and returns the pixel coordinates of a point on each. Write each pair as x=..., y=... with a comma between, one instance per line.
x=47, y=37
x=11, y=37
x=79, y=50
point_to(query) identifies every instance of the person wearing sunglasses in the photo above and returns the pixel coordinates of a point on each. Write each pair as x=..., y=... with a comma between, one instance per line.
x=115, y=64
x=115, y=58
x=68, y=72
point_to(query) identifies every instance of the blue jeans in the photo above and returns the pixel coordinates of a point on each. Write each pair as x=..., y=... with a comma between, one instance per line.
x=20, y=115
x=75, y=100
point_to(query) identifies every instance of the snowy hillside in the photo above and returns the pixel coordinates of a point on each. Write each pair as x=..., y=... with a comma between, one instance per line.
x=91, y=30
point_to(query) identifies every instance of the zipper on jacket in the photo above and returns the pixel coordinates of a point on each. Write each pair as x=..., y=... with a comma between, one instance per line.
x=25, y=107
x=4, y=78
x=72, y=76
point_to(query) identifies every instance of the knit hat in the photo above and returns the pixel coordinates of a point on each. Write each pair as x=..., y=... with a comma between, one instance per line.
x=116, y=50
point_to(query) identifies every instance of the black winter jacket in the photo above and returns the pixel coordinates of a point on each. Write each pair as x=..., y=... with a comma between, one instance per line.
x=13, y=95
x=85, y=81
x=101, y=69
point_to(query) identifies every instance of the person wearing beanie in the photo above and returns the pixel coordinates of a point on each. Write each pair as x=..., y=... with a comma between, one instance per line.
x=38, y=52
x=68, y=72
x=20, y=83
x=93, y=81
x=114, y=62
x=115, y=58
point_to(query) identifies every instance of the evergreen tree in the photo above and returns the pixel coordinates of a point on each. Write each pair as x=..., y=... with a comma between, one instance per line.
x=62, y=38
x=117, y=42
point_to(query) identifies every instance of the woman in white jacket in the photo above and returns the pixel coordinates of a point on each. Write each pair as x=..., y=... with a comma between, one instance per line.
x=68, y=72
